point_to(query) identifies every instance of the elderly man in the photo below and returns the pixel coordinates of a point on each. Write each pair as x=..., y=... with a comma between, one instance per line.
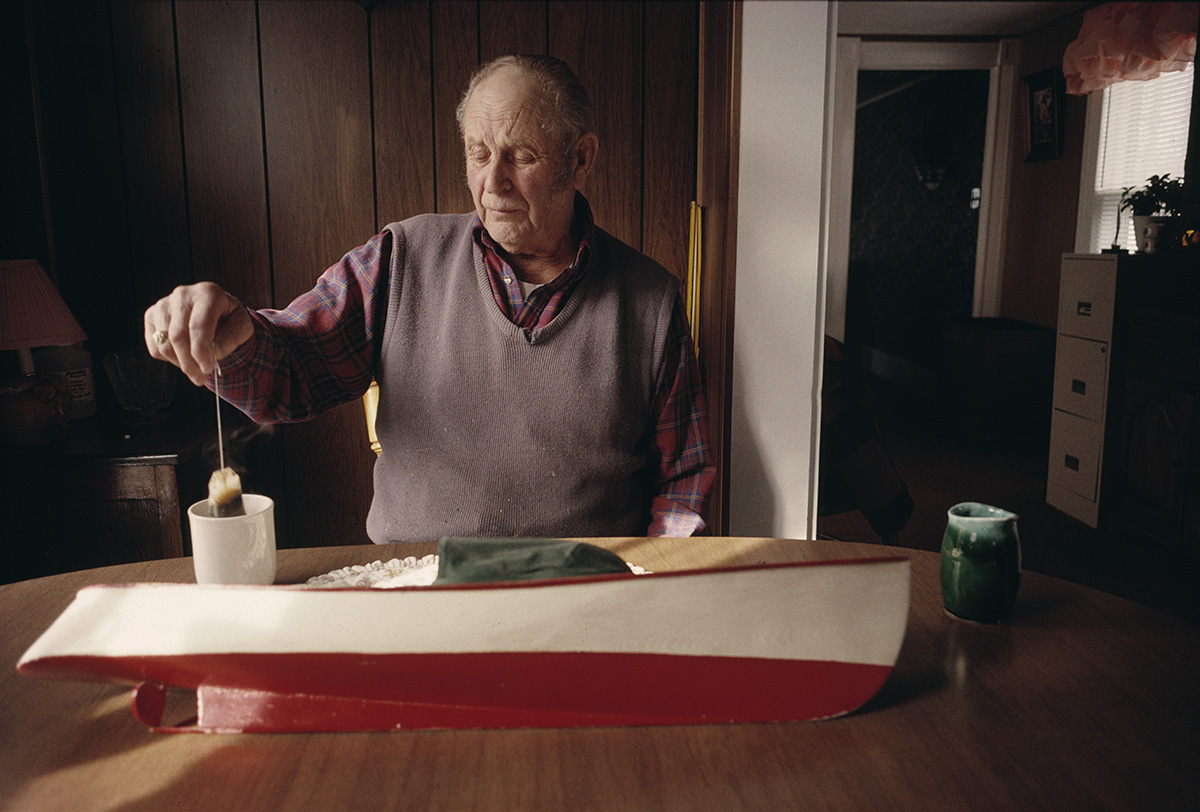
x=536, y=374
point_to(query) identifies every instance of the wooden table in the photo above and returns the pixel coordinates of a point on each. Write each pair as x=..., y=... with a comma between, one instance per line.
x=1085, y=701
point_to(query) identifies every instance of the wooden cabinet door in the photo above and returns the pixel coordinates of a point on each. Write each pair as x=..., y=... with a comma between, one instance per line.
x=61, y=515
x=1155, y=438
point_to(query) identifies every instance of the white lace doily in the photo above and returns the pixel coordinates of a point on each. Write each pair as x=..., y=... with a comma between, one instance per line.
x=409, y=571
x=398, y=572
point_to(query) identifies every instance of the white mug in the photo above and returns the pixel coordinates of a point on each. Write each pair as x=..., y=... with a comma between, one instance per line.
x=234, y=549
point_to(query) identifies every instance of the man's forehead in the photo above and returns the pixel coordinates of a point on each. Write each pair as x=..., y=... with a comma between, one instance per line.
x=511, y=121
x=501, y=139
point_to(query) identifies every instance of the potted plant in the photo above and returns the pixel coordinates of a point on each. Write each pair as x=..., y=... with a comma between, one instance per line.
x=1152, y=205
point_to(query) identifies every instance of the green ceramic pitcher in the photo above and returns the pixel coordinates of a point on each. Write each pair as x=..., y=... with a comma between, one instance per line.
x=981, y=562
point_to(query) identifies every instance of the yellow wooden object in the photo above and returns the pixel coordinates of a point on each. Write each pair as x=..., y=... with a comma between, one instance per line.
x=695, y=266
x=370, y=406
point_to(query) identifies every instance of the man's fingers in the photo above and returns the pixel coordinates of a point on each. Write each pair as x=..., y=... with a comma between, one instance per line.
x=204, y=319
x=180, y=328
x=155, y=324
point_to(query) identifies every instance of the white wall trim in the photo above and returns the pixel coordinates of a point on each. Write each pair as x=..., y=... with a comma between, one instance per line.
x=1087, y=173
x=828, y=146
x=782, y=214
x=929, y=55
x=841, y=183
x=993, y=208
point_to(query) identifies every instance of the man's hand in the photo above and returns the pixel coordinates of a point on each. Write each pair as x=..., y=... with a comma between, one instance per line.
x=181, y=328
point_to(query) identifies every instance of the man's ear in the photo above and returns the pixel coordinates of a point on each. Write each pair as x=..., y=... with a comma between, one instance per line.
x=585, y=158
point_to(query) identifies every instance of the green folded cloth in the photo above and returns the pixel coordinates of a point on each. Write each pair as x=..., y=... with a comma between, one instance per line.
x=484, y=560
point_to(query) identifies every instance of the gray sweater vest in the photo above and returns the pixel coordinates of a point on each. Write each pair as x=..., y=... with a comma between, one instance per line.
x=489, y=431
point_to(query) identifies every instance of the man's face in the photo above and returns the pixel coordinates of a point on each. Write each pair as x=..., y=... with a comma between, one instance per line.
x=522, y=185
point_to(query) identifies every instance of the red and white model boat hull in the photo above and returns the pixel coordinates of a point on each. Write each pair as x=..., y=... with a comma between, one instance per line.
x=776, y=642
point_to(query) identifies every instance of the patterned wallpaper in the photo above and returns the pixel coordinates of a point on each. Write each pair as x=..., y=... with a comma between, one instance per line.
x=912, y=248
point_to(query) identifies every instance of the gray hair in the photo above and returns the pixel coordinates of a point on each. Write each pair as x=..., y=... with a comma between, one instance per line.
x=565, y=109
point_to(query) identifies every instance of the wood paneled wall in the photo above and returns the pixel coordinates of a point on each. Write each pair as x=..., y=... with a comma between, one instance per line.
x=253, y=143
x=1043, y=196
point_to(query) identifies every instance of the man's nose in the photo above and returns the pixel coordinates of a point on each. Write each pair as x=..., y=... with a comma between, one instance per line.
x=496, y=177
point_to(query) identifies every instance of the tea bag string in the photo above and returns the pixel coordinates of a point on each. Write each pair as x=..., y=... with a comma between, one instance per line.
x=217, y=392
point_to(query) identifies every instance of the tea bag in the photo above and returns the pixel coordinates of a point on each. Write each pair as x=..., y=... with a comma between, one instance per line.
x=225, y=494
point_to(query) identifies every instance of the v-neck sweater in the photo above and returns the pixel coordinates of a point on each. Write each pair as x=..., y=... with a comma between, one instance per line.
x=492, y=430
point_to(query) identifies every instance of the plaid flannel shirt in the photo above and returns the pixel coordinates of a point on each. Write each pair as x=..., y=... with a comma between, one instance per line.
x=320, y=352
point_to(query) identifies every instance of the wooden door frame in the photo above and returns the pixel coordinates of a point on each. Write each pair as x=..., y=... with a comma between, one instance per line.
x=716, y=192
x=1000, y=60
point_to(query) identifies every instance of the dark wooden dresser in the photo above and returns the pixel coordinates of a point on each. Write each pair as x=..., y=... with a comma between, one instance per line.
x=111, y=492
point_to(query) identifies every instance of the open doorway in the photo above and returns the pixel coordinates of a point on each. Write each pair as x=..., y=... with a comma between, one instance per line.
x=910, y=246
x=917, y=190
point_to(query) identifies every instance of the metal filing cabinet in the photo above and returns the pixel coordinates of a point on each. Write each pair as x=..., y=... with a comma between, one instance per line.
x=1086, y=304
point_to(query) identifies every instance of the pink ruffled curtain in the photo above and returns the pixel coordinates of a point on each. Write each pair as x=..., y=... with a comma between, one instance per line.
x=1120, y=41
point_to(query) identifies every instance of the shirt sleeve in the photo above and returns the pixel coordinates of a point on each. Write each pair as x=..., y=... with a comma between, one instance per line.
x=320, y=351
x=685, y=471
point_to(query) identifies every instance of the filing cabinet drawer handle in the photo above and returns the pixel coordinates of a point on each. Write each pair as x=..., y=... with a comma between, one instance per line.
x=1078, y=387
x=1071, y=462
x=1083, y=308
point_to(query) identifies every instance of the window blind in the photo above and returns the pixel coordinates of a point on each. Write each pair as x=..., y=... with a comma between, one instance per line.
x=1143, y=132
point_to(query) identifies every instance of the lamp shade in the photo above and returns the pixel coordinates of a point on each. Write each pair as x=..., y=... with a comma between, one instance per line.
x=32, y=313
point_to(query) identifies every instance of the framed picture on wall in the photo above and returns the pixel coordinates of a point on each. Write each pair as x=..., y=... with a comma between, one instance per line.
x=1045, y=90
